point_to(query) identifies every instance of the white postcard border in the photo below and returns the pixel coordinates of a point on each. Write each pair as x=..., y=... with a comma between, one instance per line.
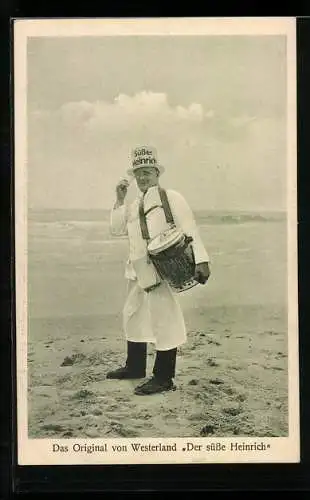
x=196, y=450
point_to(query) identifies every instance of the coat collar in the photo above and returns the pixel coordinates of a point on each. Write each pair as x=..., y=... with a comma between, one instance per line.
x=149, y=192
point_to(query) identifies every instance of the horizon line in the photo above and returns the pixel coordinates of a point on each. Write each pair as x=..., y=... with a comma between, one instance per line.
x=253, y=209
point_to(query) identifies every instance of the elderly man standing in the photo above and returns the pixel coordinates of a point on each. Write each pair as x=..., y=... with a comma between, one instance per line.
x=152, y=312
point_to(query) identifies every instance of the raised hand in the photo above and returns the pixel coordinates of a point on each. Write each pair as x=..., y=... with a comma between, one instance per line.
x=121, y=190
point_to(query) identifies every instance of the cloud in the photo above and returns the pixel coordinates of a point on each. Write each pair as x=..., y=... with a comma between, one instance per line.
x=143, y=115
x=144, y=110
x=78, y=152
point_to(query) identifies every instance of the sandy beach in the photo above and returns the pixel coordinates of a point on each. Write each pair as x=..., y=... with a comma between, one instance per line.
x=231, y=374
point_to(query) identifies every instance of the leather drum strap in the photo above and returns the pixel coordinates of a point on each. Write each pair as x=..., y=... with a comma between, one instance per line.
x=143, y=224
x=165, y=205
x=167, y=211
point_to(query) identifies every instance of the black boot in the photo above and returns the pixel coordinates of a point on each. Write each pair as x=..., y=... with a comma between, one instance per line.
x=135, y=366
x=163, y=373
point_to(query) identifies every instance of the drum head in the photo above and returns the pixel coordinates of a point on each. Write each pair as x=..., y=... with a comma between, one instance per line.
x=165, y=240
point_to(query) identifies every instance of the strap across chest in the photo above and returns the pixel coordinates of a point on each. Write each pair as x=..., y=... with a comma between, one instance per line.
x=167, y=211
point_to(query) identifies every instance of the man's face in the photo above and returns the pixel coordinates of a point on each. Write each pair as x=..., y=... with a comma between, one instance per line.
x=146, y=177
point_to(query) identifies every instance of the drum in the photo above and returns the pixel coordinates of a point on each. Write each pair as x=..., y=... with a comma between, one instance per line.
x=172, y=255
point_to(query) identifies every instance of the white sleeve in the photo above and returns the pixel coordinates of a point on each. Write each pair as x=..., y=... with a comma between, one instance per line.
x=184, y=218
x=118, y=220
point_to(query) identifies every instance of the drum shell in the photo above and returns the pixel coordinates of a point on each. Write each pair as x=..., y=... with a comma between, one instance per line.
x=176, y=265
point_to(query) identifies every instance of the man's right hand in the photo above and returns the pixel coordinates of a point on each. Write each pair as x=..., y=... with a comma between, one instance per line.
x=121, y=191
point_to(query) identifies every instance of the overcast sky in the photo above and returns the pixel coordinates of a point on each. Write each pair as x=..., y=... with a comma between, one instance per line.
x=215, y=108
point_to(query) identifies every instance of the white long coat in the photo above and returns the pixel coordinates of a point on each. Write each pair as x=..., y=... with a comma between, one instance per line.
x=155, y=316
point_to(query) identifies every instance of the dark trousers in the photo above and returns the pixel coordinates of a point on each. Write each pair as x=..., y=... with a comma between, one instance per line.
x=136, y=358
x=165, y=361
x=164, y=366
